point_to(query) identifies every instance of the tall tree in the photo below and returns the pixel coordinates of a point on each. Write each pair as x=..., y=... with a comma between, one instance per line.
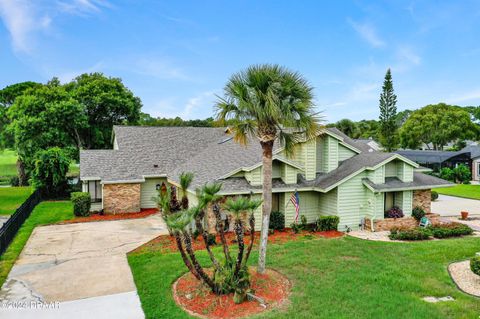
x=268, y=102
x=7, y=98
x=106, y=101
x=388, y=112
x=436, y=125
x=348, y=127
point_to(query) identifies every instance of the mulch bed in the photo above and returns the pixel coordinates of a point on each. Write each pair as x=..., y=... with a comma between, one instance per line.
x=198, y=300
x=167, y=244
x=98, y=217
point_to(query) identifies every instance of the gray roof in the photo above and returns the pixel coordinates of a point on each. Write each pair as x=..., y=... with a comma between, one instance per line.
x=474, y=150
x=209, y=153
x=420, y=181
x=427, y=156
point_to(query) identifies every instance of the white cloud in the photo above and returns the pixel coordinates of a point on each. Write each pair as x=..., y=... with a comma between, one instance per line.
x=468, y=96
x=159, y=68
x=22, y=19
x=25, y=19
x=368, y=33
x=202, y=100
x=196, y=107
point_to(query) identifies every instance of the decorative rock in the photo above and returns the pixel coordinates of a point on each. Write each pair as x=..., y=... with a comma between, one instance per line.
x=438, y=299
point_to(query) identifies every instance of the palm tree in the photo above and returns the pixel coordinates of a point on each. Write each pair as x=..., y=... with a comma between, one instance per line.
x=268, y=102
x=185, y=181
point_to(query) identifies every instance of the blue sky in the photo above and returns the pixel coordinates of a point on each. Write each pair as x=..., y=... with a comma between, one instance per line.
x=176, y=55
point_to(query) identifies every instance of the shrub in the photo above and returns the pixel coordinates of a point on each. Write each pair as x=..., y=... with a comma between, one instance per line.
x=211, y=240
x=81, y=203
x=14, y=181
x=450, y=230
x=410, y=234
x=325, y=223
x=277, y=221
x=434, y=196
x=394, y=212
x=462, y=174
x=50, y=171
x=475, y=265
x=296, y=228
x=447, y=174
x=303, y=222
x=418, y=213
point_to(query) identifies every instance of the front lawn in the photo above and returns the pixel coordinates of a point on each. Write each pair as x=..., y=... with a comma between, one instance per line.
x=45, y=213
x=8, y=166
x=461, y=190
x=12, y=197
x=336, y=278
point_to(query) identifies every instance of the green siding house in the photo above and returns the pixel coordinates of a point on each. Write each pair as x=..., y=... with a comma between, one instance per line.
x=333, y=174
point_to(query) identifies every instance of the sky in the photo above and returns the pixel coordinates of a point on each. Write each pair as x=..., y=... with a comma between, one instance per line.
x=177, y=55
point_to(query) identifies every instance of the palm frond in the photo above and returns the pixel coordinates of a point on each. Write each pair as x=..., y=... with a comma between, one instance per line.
x=186, y=179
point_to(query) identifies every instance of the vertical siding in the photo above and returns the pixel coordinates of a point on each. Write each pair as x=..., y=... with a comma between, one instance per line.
x=148, y=191
x=310, y=151
x=407, y=173
x=308, y=207
x=344, y=153
x=407, y=202
x=391, y=169
x=398, y=199
x=254, y=176
x=351, y=203
x=379, y=205
x=277, y=169
x=257, y=213
x=319, y=153
x=330, y=154
x=289, y=175
x=400, y=171
x=328, y=203
x=377, y=176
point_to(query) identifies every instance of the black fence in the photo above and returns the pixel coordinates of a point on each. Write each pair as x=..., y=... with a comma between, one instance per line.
x=13, y=224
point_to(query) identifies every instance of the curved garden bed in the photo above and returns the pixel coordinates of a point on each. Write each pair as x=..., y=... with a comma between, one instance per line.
x=464, y=278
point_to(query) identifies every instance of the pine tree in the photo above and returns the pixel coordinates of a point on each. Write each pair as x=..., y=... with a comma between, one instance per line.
x=388, y=111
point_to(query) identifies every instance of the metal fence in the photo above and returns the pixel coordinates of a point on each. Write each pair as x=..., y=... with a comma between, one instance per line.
x=13, y=224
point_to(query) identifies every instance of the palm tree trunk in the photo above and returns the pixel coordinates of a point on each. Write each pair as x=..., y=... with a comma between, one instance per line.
x=198, y=224
x=187, y=262
x=220, y=229
x=241, y=246
x=252, y=238
x=267, y=148
x=196, y=264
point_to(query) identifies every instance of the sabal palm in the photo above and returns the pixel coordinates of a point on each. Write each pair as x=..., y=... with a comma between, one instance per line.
x=186, y=179
x=268, y=102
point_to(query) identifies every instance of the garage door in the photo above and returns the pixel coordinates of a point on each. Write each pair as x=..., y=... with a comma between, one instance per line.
x=149, y=191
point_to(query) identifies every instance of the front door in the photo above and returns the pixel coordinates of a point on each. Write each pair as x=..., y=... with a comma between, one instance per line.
x=389, y=200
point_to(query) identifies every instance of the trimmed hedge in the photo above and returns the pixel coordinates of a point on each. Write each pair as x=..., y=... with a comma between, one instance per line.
x=81, y=203
x=325, y=223
x=475, y=265
x=434, y=196
x=410, y=234
x=450, y=230
x=277, y=221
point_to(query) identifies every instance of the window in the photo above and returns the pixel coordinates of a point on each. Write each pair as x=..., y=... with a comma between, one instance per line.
x=95, y=190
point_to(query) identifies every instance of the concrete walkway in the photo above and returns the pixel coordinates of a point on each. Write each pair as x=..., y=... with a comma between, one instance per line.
x=81, y=269
x=452, y=206
x=3, y=220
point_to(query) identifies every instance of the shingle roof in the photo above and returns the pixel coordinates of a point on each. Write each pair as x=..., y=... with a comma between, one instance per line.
x=427, y=156
x=420, y=180
x=209, y=153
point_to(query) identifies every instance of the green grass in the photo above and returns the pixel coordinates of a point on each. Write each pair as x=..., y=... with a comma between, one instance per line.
x=461, y=190
x=8, y=166
x=336, y=278
x=45, y=213
x=12, y=197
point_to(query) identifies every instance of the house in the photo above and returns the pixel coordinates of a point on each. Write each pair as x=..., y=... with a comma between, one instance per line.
x=436, y=160
x=333, y=174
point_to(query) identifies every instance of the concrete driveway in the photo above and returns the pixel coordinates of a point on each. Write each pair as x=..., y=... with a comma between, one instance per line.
x=452, y=206
x=80, y=269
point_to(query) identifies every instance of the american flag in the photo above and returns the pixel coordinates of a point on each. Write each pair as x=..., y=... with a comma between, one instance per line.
x=295, y=200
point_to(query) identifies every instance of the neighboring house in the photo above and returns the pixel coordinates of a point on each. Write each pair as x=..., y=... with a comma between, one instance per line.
x=333, y=174
x=436, y=160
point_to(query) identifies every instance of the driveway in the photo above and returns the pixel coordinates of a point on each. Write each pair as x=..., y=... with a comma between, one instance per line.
x=452, y=206
x=80, y=269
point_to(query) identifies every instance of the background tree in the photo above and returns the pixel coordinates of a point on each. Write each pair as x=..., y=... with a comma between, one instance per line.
x=44, y=117
x=388, y=113
x=348, y=127
x=368, y=129
x=437, y=125
x=50, y=171
x=105, y=102
x=7, y=98
x=268, y=102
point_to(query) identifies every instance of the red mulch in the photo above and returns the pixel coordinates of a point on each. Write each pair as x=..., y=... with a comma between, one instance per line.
x=167, y=244
x=198, y=300
x=98, y=217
